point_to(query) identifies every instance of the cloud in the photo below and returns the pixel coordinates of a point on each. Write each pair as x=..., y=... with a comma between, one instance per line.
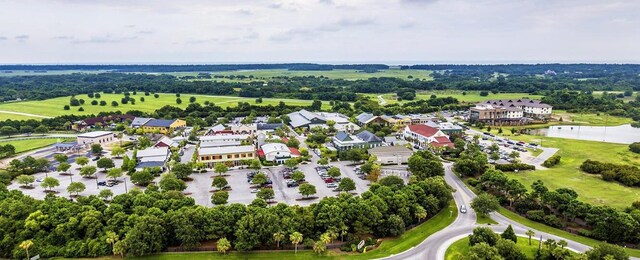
x=22, y=37
x=63, y=37
x=275, y=5
x=339, y=25
x=327, y=2
x=107, y=39
x=130, y=26
x=2, y=38
x=229, y=40
x=144, y=32
x=244, y=12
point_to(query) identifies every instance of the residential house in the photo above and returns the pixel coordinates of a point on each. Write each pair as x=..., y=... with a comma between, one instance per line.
x=277, y=152
x=244, y=128
x=102, y=121
x=343, y=141
x=370, y=139
x=166, y=142
x=216, y=129
x=139, y=121
x=365, y=119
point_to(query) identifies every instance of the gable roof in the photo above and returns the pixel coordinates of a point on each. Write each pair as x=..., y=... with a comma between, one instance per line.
x=442, y=141
x=138, y=121
x=160, y=122
x=368, y=137
x=364, y=118
x=269, y=126
x=423, y=130
x=342, y=136
x=104, y=119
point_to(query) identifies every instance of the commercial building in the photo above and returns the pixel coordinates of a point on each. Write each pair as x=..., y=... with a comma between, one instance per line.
x=166, y=142
x=224, y=138
x=163, y=126
x=391, y=154
x=97, y=137
x=152, y=157
x=139, y=121
x=424, y=135
x=244, y=128
x=229, y=155
x=101, y=121
x=307, y=119
x=277, y=152
x=510, y=112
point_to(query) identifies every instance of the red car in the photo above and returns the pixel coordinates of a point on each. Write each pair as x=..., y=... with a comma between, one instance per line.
x=328, y=180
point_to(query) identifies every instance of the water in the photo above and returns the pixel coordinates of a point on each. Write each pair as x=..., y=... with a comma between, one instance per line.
x=623, y=134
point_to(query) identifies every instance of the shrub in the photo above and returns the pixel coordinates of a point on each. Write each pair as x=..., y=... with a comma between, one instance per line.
x=552, y=161
x=553, y=221
x=635, y=147
x=514, y=166
x=535, y=215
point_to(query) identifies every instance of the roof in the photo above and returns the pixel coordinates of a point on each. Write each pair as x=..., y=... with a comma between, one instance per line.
x=342, y=136
x=103, y=119
x=95, y=134
x=65, y=145
x=517, y=102
x=138, y=121
x=391, y=150
x=442, y=141
x=294, y=151
x=219, y=144
x=423, y=130
x=274, y=148
x=160, y=122
x=368, y=137
x=212, y=138
x=271, y=126
x=152, y=152
x=364, y=117
x=304, y=117
x=226, y=150
x=168, y=141
x=216, y=128
x=150, y=164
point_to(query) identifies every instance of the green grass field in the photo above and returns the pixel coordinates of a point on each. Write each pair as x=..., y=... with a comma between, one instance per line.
x=593, y=119
x=485, y=220
x=7, y=116
x=388, y=247
x=54, y=107
x=261, y=75
x=567, y=174
x=29, y=144
x=461, y=248
x=470, y=97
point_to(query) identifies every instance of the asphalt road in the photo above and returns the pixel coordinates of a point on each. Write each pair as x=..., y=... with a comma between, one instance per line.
x=435, y=246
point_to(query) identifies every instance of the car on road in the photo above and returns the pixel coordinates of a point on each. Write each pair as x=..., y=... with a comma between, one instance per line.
x=38, y=180
x=463, y=209
x=255, y=190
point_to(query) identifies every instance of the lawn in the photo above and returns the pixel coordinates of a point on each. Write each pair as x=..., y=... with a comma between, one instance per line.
x=29, y=144
x=554, y=231
x=593, y=119
x=567, y=174
x=388, y=247
x=7, y=116
x=332, y=74
x=470, y=97
x=54, y=107
x=485, y=220
x=461, y=248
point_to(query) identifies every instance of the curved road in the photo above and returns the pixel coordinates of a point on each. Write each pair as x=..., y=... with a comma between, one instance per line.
x=435, y=246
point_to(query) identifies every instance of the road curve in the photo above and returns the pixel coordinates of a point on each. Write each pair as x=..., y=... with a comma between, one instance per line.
x=435, y=246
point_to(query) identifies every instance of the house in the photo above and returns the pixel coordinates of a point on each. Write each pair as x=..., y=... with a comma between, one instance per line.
x=100, y=121
x=219, y=144
x=266, y=128
x=166, y=142
x=450, y=128
x=152, y=157
x=392, y=140
x=391, y=154
x=224, y=138
x=244, y=128
x=139, y=121
x=214, y=130
x=163, y=126
x=370, y=139
x=347, y=127
x=365, y=119
x=307, y=119
x=343, y=141
x=423, y=135
x=229, y=155
x=97, y=137
x=277, y=152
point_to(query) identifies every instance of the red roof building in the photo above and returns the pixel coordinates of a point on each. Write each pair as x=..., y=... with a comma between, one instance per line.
x=424, y=135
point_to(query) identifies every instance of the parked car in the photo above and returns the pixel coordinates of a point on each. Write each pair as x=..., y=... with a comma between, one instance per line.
x=332, y=185
x=96, y=158
x=255, y=190
x=328, y=180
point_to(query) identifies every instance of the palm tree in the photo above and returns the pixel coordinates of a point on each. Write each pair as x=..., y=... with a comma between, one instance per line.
x=223, y=245
x=530, y=233
x=295, y=238
x=112, y=238
x=26, y=245
x=278, y=236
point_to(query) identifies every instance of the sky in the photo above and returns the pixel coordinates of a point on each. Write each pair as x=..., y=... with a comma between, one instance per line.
x=322, y=31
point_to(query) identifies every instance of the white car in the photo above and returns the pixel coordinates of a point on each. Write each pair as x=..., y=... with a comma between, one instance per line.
x=332, y=185
x=463, y=209
x=255, y=190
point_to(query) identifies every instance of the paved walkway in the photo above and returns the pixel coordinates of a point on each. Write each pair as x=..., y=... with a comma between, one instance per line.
x=23, y=114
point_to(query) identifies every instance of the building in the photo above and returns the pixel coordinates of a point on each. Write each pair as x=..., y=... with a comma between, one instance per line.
x=450, y=128
x=163, y=126
x=365, y=119
x=267, y=128
x=343, y=141
x=97, y=137
x=510, y=110
x=244, y=128
x=370, y=139
x=277, y=152
x=224, y=138
x=101, y=121
x=230, y=155
x=424, y=135
x=139, y=121
x=307, y=119
x=152, y=157
x=391, y=154
x=166, y=142
x=214, y=130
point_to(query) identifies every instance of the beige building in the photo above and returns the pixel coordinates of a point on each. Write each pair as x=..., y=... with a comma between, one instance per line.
x=230, y=155
x=391, y=154
x=97, y=137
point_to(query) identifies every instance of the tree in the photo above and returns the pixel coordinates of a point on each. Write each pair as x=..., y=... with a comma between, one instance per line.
x=25, y=180
x=291, y=163
x=483, y=251
x=295, y=238
x=483, y=235
x=220, y=169
x=114, y=103
x=82, y=161
x=394, y=182
x=278, y=237
x=142, y=178
x=297, y=176
x=255, y=164
x=178, y=101
x=25, y=245
x=219, y=182
x=63, y=167
x=96, y=149
x=420, y=213
x=8, y=131
x=259, y=179
x=41, y=129
x=105, y=194
x=635, y=147
x=87, y=171
x=223, y=245
x=334, y=172
x=49, y=183
x=182, y=170
x=484, y=204
x=509, y=251
x=76, y=187
x=117, y=151
x=105, y=163
x=530, y=233
x=347, y=185
x=220, y=198
x=319, y=247
x=114, y=173
x=266, y=194
x=307, y=189
x=509, y=234
x=600, y=251
x=323, y=161
x=170, y=182
x=60, y=157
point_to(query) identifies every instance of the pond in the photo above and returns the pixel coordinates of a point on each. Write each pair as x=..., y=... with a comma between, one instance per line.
x=623, y=134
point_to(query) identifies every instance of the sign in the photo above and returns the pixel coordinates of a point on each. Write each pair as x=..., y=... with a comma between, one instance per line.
x=361, y=244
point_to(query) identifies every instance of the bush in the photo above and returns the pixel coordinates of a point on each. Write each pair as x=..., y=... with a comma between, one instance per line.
x=553, y=221
x=625, y=174
x=535, y=215
x=472, y=181
x=552, y=161
x=514, y=166
x=635, y=147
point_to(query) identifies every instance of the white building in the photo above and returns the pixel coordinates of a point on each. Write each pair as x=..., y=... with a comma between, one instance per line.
x=277, y=152
x=224, y=138
x=424, y=135
x=97, y=137
x=391, y=154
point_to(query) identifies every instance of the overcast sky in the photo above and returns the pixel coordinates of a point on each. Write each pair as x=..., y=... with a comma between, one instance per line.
x=330, y=31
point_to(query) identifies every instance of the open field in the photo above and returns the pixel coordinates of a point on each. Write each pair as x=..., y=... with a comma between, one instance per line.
x=388, y=247
x=7, y=116
x=470, y=97
x=591, y=188
x=332, y=74
x=592, y=119
x=29, y=144
x=54, y=106
x=461, y=248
